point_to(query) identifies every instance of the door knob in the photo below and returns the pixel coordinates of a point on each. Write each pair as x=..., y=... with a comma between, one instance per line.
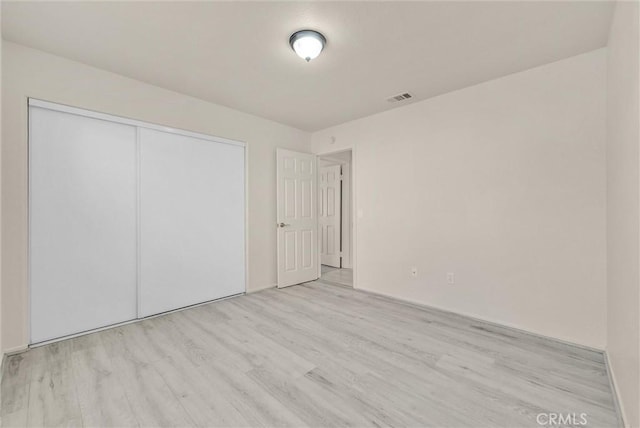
x=283, y=225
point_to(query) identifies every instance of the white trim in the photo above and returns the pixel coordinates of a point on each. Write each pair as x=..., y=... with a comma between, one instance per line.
x=138, y=228
x=346, y=208
x=318, y=229
x=4, y=357
x=15, y=350
x=33, y=102
x=28, y=311
x=614, y=390
x=345, y=216
x=354, y=208
x=246, y=217
x=485, y=321
x=266, y=287
x=335, y=160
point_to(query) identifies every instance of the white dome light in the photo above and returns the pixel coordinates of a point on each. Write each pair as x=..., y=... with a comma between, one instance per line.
x=307, y=44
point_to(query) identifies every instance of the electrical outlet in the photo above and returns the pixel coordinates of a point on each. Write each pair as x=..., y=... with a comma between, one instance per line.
x=414, y=272
x=451, y=278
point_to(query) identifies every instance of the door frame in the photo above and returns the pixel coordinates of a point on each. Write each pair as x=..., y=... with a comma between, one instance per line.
x=354, y=208
x=340, y=212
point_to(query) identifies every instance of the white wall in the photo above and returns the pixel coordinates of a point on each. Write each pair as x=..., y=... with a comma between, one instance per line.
x=503, y=184
x=623, y=208
x=32, y=73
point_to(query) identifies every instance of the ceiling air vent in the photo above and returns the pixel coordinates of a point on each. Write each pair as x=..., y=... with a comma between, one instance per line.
x=399, y=97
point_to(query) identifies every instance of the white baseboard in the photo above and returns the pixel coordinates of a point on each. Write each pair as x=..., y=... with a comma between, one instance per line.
x=618, y=404
x=610, y=372
x=614, y=389
x=4, y=357
x=8, y=353
x=16, y=350
x=486, y=321
x=266, y=287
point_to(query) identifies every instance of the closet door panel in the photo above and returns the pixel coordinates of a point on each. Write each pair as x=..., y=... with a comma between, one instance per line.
x=192, y=221
x=82, y=232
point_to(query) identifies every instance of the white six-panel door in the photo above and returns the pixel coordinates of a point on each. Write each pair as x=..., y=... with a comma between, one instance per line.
x=330, y=210
x=296, y=217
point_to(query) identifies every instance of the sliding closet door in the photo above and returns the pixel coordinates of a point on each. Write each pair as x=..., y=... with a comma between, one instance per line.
x=82, y=232
x=191, y=221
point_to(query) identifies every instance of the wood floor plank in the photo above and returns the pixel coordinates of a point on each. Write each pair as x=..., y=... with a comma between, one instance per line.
x=216, y=363
x=53, y=400
x=200, y=397
x=16, y=381
x=153, y=402
x=311, y=355
x=302, y=396
x=387, y=361
x=102, y=398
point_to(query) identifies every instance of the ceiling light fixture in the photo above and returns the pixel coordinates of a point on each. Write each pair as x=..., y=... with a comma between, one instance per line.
x=307, y=44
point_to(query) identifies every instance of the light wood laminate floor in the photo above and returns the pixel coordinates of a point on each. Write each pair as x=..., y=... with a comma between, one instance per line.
x=337, y=276
x=309, y=355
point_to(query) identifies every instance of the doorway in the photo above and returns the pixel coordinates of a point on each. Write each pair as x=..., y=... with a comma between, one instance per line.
x=335, y=239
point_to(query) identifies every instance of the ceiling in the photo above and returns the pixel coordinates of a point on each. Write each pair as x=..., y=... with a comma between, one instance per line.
x=237, y=53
